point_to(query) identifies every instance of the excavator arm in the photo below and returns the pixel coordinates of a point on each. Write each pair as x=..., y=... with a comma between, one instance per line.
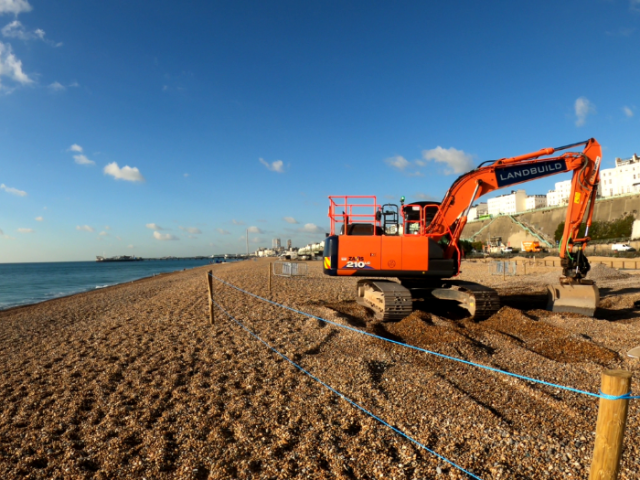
x=489, y=176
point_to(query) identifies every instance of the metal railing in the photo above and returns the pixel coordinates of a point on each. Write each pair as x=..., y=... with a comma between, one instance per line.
x=290, y=269
x=503, y=268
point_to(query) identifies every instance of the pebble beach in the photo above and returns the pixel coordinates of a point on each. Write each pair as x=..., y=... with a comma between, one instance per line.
x=134, y=382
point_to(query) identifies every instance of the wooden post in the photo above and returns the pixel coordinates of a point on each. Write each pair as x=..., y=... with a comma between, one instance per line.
x=524, y=264
x=210, y=284
x=612, y=419
x=269, y=274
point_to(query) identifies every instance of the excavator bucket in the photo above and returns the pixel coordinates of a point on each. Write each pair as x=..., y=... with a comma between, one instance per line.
x=573, y=297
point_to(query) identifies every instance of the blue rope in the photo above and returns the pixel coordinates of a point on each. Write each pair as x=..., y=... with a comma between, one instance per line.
x=466, y=362
x=626, y=396
x=396, y=430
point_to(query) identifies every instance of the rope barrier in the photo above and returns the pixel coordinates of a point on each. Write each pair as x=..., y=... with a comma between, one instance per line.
x=361, y=408
x=627, y=396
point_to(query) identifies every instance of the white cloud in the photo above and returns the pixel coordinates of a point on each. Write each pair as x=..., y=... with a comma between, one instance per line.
x=14, y=6
x=75, y=148
x=85, y=228
x=103, y=234
x=131, y=174
x=107, y=227
x=583, y=107
x=14, y=191
x=26, y=230
x=56, y=87
x=276, y=166
x=237, y=222
x=310, y=228
x=398, y=162
x=628, y=111
x=222, y=231
x=186, y=175
x=129, y=246
x=39, y=219
x=634, y=5
x=1, y=232
x=456, y=160
x=254, y=230
x=193, y=230
x=15, y=29
x=83, y=160
x=119, y=239
x=154, y=226
x=257, y=240
x=164, y=236
x=10, y=66
x=290, y=220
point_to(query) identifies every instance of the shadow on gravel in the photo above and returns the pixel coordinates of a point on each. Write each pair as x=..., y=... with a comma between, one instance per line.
x=355, y=315
x=527, y=301
x=622, y=291
x=612, y=315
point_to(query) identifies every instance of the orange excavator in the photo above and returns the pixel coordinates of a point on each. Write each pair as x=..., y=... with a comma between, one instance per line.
x=418, y=243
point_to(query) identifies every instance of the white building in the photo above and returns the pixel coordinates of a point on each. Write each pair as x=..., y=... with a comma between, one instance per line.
x=536, y=201
x=623, y=178
x=559, y=196
x=508, y=204
x=477, y=211
x=275, y=243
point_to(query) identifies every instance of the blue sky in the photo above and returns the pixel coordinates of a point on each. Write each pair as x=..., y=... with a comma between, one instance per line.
x=169, y=128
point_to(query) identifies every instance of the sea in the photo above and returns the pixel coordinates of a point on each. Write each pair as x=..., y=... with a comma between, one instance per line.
x=27, y=283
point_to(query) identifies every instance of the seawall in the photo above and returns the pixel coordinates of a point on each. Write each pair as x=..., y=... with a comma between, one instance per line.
x=544, y=221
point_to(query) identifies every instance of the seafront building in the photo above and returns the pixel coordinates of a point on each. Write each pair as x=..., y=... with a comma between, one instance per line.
x=559, y=196
x=478, y=211
x=536, y=201
x=508, y=204
x=623, y=178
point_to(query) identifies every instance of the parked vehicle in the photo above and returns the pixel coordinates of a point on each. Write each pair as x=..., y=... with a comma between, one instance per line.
x=507, y=250
x=622, y=247
x=531, y=246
